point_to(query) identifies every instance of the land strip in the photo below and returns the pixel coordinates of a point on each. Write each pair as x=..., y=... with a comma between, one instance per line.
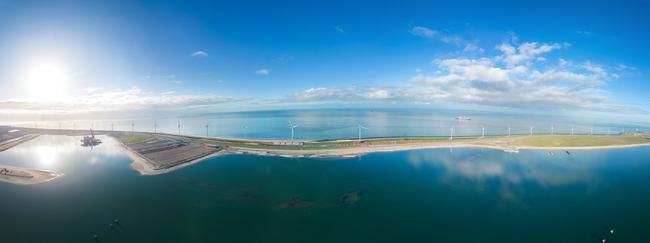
x=157, y=153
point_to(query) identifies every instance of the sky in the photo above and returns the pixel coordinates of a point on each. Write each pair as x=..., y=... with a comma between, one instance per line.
x=111, y=57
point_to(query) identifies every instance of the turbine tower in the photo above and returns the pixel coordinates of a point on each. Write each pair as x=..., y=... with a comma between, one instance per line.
x=571, y=130
x=591, y=132
x=361, y=127
x=509, y=131
x=132, y=127
x=292, y=126
x=482, y=132
x=451, y=133
x=207, y=126
x=552, y=130
x=531, y=130
x=179, y=126
x=155, y=127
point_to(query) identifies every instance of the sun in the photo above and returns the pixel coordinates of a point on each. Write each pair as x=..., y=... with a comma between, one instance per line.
x=46, y=80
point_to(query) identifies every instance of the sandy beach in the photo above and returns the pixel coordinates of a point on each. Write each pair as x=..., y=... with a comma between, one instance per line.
x=360, y=150
x=26, y=176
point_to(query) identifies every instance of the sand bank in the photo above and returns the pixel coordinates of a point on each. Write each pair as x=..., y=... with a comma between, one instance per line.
x=25, y=176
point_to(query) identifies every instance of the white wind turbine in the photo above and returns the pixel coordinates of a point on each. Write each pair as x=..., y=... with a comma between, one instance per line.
x=451, y=133
x=482, y=132
x=552, y=130
x=132, y=127
x=509, y=131
x=155, y=127
x=207, y=127
x=531, y=130
x=291, y=126
x=360, y=127
x=571, y=130
x=179, y=126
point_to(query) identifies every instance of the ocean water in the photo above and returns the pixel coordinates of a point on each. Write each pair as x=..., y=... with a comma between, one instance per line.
x=431, y=195
x=343, y=123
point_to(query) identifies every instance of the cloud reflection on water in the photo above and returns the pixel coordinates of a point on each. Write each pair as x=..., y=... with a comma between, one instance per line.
x=507, y=174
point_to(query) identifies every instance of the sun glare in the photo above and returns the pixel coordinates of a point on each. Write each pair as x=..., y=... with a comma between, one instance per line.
x=46, y=81
x=46, y=155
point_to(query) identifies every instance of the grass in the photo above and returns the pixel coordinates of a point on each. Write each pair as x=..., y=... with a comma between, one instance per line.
x=577, y=140
x=135, y=138
x=517, y=140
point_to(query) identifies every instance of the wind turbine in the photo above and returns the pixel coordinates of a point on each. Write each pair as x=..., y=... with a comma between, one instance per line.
x=531, y=130
x=207, y=127
x=132, y=127
x=608, y=131
x=291, y=126
x=361, y=127
x=482, y=131
x=591, y=132
x=509, y=131
x=451, y=133
x=571, y=130
x=155, y=126
x=552, y=130
x=112, y=127
x=179, y=126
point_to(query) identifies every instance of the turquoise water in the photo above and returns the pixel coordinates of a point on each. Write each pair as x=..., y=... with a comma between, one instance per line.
x=433, y=195
x=342, y=123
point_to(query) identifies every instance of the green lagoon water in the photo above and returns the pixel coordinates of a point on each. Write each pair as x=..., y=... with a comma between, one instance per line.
x=434, y=195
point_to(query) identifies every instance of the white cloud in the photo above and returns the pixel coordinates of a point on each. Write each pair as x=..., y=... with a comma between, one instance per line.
x=432, y=34
x=472, y=48
x=525, y=52
x=118, y=100
x=176, y=81
x=263, y=72
x=508, y=80
x=339, y=29
x=199, y=54
x=424, y=32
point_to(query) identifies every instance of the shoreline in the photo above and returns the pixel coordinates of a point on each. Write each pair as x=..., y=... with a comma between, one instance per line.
x=142, y=165
x=6, y=145
x=353, y=148
x=358, y=151
x=35, y=176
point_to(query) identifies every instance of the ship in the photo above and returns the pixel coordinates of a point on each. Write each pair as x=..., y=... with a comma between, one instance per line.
x=90, y=140
x=463, y=118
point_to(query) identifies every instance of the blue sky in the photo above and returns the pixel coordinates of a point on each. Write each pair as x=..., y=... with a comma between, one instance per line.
x=214, y=56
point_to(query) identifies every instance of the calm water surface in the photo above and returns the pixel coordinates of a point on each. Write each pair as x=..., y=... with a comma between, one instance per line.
x=435, y=195
x=342, y=123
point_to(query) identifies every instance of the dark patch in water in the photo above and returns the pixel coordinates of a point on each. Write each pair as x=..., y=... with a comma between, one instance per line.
x=297, y=202
x=351, y=197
